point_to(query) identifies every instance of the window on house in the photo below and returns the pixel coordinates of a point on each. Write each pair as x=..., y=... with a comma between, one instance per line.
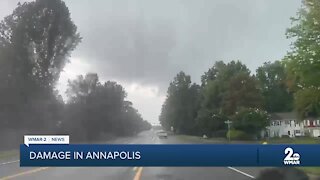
x=308, y=123
x=289, y=133
x=318, y=122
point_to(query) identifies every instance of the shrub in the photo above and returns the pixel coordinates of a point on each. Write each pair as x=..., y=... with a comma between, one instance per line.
x=219, y=133
x=238, y=135
x=250, y=120
x=285, y=136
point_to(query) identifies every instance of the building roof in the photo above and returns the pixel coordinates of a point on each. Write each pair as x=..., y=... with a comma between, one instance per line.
x=283, y=115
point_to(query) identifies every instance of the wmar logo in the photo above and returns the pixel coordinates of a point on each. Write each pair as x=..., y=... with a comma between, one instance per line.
x=291, y=157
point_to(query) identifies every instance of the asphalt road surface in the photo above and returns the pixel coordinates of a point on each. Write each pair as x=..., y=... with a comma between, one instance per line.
x=10, y=170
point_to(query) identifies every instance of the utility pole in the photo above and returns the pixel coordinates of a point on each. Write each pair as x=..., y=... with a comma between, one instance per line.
x=228, y=122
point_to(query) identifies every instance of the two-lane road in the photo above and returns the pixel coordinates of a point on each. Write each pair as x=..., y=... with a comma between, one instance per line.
x=10, y=170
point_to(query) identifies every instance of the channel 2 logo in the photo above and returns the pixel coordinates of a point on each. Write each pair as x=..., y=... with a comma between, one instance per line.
x=291, y=158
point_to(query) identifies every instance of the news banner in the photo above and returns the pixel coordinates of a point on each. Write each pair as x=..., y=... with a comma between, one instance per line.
x=44, y=150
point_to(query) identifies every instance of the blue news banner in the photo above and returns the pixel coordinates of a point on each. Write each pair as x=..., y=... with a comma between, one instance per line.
x=169, y=155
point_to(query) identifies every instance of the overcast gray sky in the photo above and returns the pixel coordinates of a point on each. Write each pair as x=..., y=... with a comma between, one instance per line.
x=143, y=44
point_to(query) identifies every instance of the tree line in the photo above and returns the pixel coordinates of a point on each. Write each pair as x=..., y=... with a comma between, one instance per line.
x=229, y=91
x=36, y=41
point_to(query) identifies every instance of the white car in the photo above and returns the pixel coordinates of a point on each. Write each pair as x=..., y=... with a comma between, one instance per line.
x=162, y=134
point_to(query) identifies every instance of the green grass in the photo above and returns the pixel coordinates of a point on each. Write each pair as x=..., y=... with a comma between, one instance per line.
x=302, y=140
x=8, y=154
x=198, y=139
x=311, y=170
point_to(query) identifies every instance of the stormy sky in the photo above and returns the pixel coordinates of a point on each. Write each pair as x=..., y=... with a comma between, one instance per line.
x=143, y=44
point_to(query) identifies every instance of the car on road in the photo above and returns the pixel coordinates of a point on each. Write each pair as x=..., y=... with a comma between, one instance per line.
x=162, y=134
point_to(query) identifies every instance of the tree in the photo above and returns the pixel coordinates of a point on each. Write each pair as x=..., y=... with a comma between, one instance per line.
x=209, y=122
x=35, y=42
x=242, y=92
x=272, y=82
x=212, y=73
x=42, y=36
x=303, y=61
x=251, y=121
x=96, y=110
x=221, y=71
x=81, y=87
x=308, y=102
x=226, y=88
x=181, y=105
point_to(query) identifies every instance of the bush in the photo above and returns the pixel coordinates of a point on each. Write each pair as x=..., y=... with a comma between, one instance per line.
x=285, y=136
x=238, y=135
x=219, y=133
x=251, y=121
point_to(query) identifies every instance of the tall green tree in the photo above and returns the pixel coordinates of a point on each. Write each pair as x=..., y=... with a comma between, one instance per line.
x=303, y=61
x=242, y=92
x=41, y=35
x=181, y=105
x=35, y=43
x=251, y=121
x=226, y=88
x=272, y=81
x=95, y=109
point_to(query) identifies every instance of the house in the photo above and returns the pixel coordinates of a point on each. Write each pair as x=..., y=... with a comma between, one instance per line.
x=285, y=124
x=312, y=127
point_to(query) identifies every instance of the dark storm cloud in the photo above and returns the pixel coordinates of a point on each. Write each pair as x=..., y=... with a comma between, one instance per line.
x=143, y=44
x=127, y=49
x=149, y=41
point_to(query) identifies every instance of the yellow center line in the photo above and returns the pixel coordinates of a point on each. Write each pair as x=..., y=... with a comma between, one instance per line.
x=24, y=173
x=138, y=174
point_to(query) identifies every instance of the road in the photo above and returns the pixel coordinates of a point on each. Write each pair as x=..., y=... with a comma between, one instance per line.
x=10, y=170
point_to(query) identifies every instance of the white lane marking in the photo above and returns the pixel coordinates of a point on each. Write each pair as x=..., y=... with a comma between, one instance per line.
x=243, y=173
x=9, y=162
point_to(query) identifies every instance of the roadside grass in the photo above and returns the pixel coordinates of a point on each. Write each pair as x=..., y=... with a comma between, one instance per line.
x=198, y=139
x=8, y=154
x=301, y=140
x=311, y=170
